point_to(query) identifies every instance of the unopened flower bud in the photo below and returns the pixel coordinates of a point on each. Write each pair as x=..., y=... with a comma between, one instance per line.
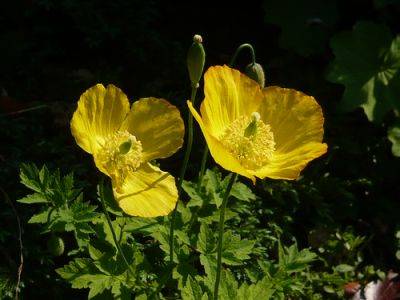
x=255, y=71
x=55, y=245
x=195, y=60
x=197, y=38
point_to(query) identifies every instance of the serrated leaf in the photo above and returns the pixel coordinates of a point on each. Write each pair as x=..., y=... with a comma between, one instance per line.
x=242, y=192
x=263, y=289
x=367, y=63
x=29, y=175
x=206, y=242
x=195, y=198
x=228, y=286
x=85, y=273
x=42, y=217
x=33, y=199
x=234, y=249
x=192, y=290
x=305, y=24
x=142, y=225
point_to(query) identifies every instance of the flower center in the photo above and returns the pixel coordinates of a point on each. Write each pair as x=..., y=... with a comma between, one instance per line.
x=250, y=140
x=121, y=153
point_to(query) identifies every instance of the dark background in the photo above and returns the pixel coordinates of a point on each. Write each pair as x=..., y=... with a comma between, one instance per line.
x=52, y=51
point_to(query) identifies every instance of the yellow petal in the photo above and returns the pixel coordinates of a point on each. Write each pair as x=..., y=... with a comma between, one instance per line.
x=296, y=121
x=157, y=125
x=147, y=192
x=228, y=95
x=99, y=114
x=218, y=151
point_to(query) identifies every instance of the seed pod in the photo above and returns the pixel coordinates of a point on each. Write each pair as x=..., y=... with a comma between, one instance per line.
x=196, y=58
x=255, y=71
x=55, y=245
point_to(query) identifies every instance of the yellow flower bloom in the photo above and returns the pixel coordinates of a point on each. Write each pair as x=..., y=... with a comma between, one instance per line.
x=272, y=132
x=123, y=139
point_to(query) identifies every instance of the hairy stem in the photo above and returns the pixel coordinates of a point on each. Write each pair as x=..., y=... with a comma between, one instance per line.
x=203, y=165
x=182, y=174
x=103, y=204
x=221, y=233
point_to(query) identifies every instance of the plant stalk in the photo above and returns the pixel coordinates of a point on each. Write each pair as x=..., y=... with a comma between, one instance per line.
x=182, y=174
x=103, y=204
x=221, y=233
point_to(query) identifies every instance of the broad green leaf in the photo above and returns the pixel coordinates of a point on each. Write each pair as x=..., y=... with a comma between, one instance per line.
x=367, y=63
x=394, y=138
x=305, y=24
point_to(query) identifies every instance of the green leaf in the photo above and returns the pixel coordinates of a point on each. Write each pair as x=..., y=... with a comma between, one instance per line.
x=305, y=24
x=367, y=63
x=192, y=290
x=343, y=268
x=98, y=276
x=394, y=138
x=29, y=175
x=235, y=250
x=195, y=198
x=292, y=260
x=263, y=289
x=33, y=199
x=42, y=217
x=228, y=286
x=141, y=225
x=206, y=242
x=242, y=192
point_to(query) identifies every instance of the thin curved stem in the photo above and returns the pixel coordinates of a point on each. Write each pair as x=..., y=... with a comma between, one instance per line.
x=221, y=233
x=203, y=165
x=240, y=48
x=182, y=174
x=103, y=204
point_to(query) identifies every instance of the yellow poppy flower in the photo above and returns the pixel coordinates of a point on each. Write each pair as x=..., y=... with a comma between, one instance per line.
x=123, y=139
x=272, y=132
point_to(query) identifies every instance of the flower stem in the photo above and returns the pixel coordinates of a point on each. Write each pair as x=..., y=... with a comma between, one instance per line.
x=103, y=204
x=182, y=174
x=221, y=233
x=203, y=165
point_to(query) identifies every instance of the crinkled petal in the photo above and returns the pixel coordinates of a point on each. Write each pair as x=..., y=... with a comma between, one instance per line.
x=147, y=192
x=220, y=154
x=296, y=121
x=229, y=94
x=99, y=114
x=158, y=125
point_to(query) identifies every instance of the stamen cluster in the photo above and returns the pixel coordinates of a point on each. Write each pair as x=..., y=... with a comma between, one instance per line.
x=250, y=140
